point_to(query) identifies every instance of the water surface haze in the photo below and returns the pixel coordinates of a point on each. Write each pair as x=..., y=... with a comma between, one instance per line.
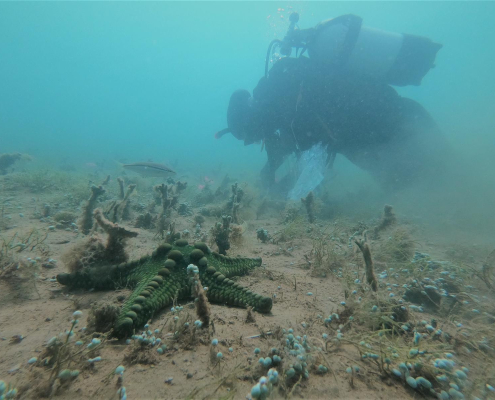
x=97, y=82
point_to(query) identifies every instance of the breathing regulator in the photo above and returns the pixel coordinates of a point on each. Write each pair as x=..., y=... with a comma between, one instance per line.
x=345, y=44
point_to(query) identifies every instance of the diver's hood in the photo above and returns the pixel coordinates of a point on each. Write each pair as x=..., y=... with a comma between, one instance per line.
x=240, y=117
x=238, y=113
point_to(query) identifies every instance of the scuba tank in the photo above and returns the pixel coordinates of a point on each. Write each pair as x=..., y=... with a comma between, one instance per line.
x=345, y=44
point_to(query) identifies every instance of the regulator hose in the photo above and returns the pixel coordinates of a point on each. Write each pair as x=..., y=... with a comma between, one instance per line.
x=268, y=54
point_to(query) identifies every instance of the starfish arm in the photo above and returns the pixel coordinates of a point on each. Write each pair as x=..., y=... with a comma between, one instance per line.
x=224, y=290
x=233, y=266
x=108, y=277
x=150, y=296
x=89, y=278
x=161, y=280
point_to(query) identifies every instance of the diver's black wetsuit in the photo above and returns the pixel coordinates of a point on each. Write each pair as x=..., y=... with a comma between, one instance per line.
x=392, y=137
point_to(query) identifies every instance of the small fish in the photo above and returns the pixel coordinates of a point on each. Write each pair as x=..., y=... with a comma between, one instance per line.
x=149, y=169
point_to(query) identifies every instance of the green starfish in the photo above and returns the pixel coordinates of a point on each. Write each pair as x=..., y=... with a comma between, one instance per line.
x=161, y=277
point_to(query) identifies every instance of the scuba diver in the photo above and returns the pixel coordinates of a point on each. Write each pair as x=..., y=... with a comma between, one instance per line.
x=339, y=95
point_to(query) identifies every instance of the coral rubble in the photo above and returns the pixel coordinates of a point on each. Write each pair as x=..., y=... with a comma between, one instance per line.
x=221, y=234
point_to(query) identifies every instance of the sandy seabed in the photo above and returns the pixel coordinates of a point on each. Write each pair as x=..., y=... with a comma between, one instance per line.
x=309, y=270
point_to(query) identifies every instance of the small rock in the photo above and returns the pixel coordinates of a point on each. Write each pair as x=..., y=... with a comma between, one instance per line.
x=16, y=339
x=14, y=369
x=189, y=375
x=168, y=381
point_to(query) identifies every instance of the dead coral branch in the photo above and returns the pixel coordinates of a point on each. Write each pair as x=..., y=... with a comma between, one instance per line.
x=166, y=203
x=114, y=249
x=86, y=221
x=235, y=202
x=202, y=304
x=221, y=233
x=388, y=219
x=309, y=203
x=121, y=188
x=120, y=211
x=166, y=200
x=105, y=181
x=370, y=270
x=169, y=198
